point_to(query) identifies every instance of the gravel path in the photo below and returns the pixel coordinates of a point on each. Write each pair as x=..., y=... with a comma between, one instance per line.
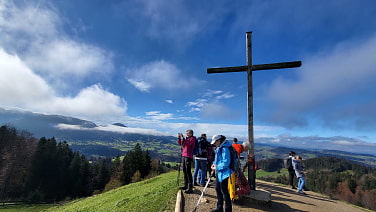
x=283, y=199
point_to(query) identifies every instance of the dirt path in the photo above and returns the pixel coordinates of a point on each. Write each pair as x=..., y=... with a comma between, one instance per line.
x=283, y=199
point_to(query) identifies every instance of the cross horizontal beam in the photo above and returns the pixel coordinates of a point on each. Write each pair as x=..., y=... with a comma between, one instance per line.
x=268, y=66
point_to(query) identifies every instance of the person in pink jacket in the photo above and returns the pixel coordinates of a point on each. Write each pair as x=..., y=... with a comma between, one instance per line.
x=187, y=145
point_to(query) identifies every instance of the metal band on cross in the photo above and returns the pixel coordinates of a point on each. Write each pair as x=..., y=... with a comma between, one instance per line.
x=249, y=68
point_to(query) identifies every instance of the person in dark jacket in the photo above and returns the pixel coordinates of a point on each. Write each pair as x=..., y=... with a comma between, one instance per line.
x=291, y=170
x=188, y=144
x=201, y=161
x=299, y=172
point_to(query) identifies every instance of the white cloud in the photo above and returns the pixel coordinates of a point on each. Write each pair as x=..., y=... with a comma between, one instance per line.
x=330, y=143
x=240, y=131
x=169, y=101
x=210, y=93
x=159, y=74
x=18, y=84
x=20, y=87
x=173, y=128
x=340, y=75
x=140, y=85
x=208, y=100
x=225, y=96
x=35, y=32
x=175, y=22
x=113, y=128
x=216, y=111
x=211, y=107
x=64, y=58
x=197, y=104
x=27, y=20
x=44, y=61
x=93, y=102
x=159, y=116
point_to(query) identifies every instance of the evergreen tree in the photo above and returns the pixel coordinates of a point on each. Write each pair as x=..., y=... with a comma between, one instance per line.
x=135, y=160
x=86, y=187
x=102, y=173
x=64, y=157
x=75, y=180
x=351, y=183
x=127, y=172
x=44, y=173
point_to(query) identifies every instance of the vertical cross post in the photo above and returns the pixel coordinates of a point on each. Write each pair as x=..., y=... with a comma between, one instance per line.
x=249, y=68
x=251, y=153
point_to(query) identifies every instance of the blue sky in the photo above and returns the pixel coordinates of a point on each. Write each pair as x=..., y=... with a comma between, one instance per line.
x=143, y=63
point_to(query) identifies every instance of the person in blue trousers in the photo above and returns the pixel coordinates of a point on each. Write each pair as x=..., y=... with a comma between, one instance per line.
x=299, y=172
x=201, y=161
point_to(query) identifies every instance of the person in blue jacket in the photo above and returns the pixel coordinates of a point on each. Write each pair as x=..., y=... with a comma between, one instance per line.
x=221, y=165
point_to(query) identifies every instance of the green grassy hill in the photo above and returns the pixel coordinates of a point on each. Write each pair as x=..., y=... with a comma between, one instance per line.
x=155, y=194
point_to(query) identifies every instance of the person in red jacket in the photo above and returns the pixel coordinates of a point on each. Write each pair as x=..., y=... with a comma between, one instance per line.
x=187, y=145
x=240, y=147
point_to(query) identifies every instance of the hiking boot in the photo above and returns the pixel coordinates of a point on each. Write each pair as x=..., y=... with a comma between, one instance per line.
x=183, y=187
x=301, y=192
x=217, y=210
x=195, y=184
x=188, y=191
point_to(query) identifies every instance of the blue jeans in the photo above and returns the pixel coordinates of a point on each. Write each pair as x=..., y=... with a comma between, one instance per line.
x=301, y=182
x=200, y=171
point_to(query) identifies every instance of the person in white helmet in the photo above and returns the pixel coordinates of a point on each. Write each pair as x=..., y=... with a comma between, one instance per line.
x=221, y=165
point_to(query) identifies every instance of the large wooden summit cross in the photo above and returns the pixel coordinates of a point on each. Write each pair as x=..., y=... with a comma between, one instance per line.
x=249, y=68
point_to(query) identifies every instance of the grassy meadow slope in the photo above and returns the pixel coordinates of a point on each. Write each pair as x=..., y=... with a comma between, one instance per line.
x=155, y=194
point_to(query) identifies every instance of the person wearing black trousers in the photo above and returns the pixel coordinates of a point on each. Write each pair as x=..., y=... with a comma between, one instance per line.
x=291, y=170
x=188, y=144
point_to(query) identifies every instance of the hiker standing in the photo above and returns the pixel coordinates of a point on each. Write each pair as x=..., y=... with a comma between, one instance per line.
x=297, y=163
x=211, y=155
x=237, y=147
x=290, y=168
x=221, y=165
x=238, y=176
x=245, y=146
x=201, y=160
x=188, y=144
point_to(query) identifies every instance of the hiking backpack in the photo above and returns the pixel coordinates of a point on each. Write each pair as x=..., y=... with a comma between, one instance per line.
x=235, y=161
x=201, y=146
x=287, y=163
x=196, y=148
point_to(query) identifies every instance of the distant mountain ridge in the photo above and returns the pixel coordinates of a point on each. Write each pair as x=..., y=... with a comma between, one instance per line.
x=264, y=151
x=119, y=124
x=94, y=142
x=40, y=125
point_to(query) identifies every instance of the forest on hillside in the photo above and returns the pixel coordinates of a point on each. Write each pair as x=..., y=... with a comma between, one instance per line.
x=44, y=170
x=47, y=171
x=336, y=177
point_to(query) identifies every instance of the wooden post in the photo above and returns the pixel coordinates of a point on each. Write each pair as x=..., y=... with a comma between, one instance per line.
x=250, y=68
x=251, y=153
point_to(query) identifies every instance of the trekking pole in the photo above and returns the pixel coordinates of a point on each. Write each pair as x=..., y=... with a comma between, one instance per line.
x=202, y=194
x=177, y=180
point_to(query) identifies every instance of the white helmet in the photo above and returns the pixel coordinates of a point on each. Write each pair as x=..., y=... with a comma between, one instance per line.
x=217, y=137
